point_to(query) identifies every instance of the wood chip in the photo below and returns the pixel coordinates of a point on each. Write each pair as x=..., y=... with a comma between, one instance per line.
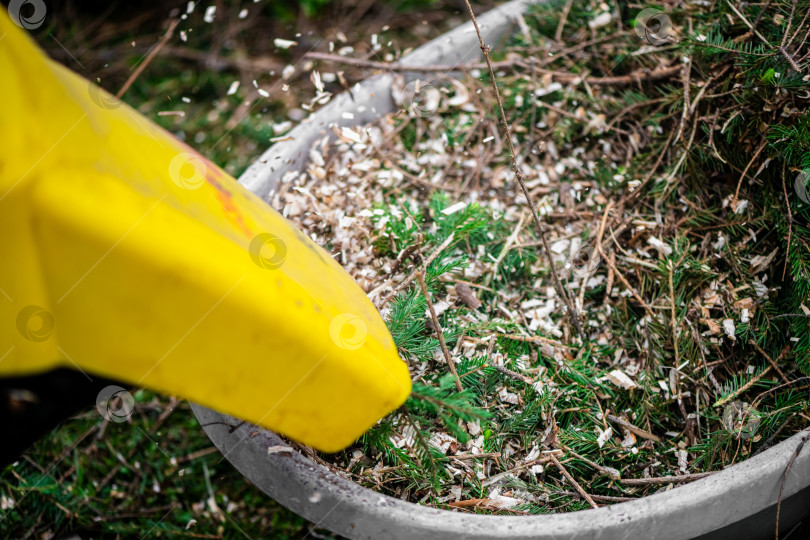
x=466, y=294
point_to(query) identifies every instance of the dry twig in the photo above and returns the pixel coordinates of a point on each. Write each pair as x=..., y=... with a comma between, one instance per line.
x=681, y=478
x=148, y=59
x=784, y=477
x=743, y=388
x=769, y=359
x=430, y=258
x=790, y=222
x=635, y=429
x=559, y=76
x=420, y=275
x=570, y=478
x=541, y=229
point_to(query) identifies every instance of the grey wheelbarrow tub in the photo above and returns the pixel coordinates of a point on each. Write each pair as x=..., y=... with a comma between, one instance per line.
x=736, y=503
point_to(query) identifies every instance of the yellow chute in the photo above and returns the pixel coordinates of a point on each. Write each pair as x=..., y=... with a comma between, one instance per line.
x=128, y=255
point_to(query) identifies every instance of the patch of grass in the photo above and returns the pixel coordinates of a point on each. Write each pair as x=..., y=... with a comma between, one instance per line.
x=156, y=475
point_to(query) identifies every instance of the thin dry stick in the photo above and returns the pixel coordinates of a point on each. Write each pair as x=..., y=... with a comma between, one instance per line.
x=665, y=479
x=747, y=23
x=558, y=76
x=407, y=281
x=781, y=47
x=790, y=222
x=591, y=269
x=790, y=59
x=798, y=29
x=607, y=471
x=743, y=388
x=490, y=347
x=635, y=429
x=485, y=455
x=611, y=277
x=467, y=503
x=686, y=76
x=762, y=12
x=475, y=370
x=600, y=498
x=420, y=276
x=541, y=230
x=198, y=454
x=570, y=478
x=612, y=265
x=637, y=191
x=769, y=359
x=563, y=19
x=784, y=477
x=617, y=80
x=148, y=59
x=775, y=388
x=513, y=374
x=534, y=339
x=742, y=176
x=559, y=110
x=70, y=448
x=674, y=323
x=539, y=461
x=533, y=121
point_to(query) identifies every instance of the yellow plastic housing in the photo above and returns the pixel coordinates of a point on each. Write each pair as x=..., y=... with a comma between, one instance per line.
x=128, y=255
